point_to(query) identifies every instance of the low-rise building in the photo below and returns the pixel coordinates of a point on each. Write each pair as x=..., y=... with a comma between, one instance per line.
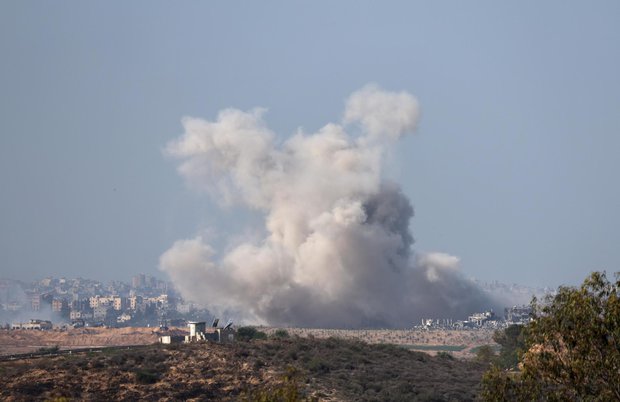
x=59, y=305
x=33, y=324
x=199, y=332
x=123, y=318
x=135, y=302
x=168, y=339
x=100, y=312
x=80, y=315
x=518, y=314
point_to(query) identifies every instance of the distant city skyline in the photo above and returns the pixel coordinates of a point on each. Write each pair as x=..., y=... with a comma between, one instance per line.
x=145, y=300
x=512, y=169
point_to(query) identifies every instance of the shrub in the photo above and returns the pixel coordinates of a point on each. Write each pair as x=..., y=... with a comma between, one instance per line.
x=287, y=391
x=50, y=350
x=35, y=388
x=249, y=333
x=485, y=354
x=445, y=355
x=146, y=376
x=318, y=365
x=281, y=333
x=258, y=364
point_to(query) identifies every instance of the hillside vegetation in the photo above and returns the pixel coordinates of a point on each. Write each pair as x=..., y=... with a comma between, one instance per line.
x=278, y=368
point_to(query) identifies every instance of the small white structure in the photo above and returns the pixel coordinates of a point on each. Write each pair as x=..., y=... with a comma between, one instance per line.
x=168, y=339
x=198, y=332
x=123, y=318
x=196, y=328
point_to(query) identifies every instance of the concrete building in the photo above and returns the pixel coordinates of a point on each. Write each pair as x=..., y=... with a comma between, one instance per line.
x=80, y=315
x=80, y=305
x=33, y=324
x=118, y=303
x=196, y=328
x=184, y=308
x=123, y=318
x=100, y=312
x=518, y=314
x=224, y=335
x=168, y=339
x=135, y=302
x=96, y=301
x=138, y=281
x=198, y=331
x=35, y=302
x=58, y=305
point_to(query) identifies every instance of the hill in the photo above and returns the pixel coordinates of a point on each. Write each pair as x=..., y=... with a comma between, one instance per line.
x=321, y=369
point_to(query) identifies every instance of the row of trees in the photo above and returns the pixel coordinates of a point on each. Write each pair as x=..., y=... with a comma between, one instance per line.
x=570, y=350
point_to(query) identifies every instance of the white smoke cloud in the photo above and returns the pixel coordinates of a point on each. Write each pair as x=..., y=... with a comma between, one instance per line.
x=437, y=263
x=382, y=113
x=338, y=246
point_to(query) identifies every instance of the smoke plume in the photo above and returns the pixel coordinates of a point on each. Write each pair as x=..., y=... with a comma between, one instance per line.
x=338, y=249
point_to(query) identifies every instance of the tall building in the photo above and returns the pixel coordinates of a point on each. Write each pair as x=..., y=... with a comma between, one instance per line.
x=138, y=281
x=35, y=302
x=58, y=305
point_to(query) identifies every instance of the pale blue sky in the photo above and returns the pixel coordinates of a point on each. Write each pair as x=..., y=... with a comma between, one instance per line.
x=514, y=167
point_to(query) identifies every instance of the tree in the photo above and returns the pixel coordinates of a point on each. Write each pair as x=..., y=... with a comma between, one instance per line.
x=485, y=354
x=572, y=348
x=512, y=341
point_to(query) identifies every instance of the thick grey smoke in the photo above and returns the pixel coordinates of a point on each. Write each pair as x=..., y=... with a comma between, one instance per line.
x=338, y=249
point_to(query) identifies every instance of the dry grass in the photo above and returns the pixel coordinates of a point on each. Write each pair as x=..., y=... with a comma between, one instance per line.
x=326, y=369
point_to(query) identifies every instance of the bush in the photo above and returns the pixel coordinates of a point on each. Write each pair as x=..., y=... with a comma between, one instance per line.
x=287, y=391
x=445, y=355
x=146, y=376
x=249, y=333
x=485, y=354
x=50, y=350
x=281, y=333
x=258, y=364
x=319, y=366
x=35, y=388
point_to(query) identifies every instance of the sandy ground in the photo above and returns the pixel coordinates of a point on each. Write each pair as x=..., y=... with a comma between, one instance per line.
x=410, y=338
x=23, y=341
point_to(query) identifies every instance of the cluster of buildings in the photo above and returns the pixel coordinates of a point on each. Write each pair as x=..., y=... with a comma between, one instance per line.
x=148, y=301
x=84, y=302
x=516, y=315
x=33, y=324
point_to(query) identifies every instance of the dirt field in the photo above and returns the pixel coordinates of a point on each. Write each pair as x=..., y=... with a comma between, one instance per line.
x=23, y=341
x=458, y=343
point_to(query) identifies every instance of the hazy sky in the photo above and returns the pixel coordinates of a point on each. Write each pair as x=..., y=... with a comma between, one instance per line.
x=514, y=167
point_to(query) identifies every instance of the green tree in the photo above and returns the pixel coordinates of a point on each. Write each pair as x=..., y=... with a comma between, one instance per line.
x=572, y=348
x=512, y=341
